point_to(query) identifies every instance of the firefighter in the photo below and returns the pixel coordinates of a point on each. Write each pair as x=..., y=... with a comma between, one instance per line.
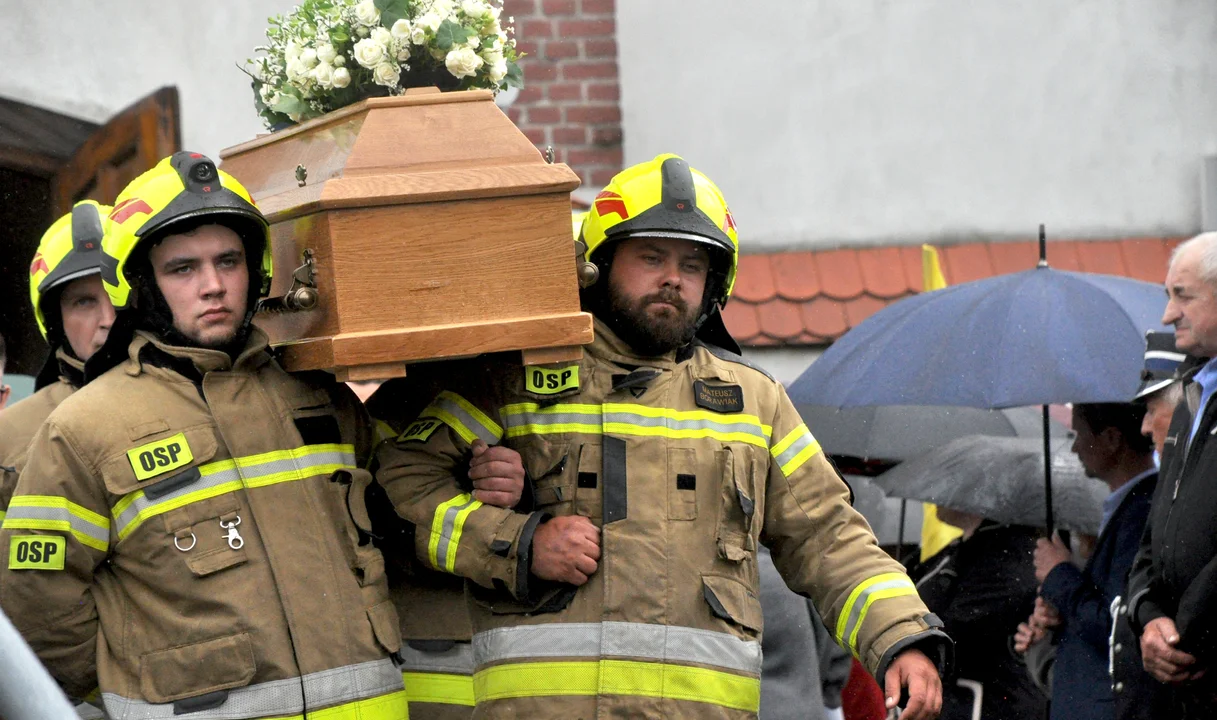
x=659, y=462
x=204, y=547
x=436, y=654
x=74, y=315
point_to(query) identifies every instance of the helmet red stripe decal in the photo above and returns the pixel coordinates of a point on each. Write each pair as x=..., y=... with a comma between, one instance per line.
x=39, y=264
x=129, y=207
x=610, y=202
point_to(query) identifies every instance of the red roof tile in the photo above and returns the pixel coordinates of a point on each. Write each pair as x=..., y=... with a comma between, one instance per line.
x=840, y=276
x=813, y=297
x=1102, y=257
x=795, y=275
x=883, y=272
x=754, y=279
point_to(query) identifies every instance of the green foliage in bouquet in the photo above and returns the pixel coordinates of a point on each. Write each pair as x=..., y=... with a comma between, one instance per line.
x=326, y=54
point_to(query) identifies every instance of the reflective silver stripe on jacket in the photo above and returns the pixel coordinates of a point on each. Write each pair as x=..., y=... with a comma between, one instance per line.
x=315, y=691
x=457, y=660
x=618, y=639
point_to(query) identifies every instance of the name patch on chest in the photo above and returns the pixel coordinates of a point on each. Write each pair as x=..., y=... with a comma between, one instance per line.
x=420, y=430
x=36, y=552
x=545, y=381
x=160, y=456
x=719, y=398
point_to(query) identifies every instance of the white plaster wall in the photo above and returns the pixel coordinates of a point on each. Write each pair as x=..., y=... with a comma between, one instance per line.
x=784, y=364
x=863, y=121
x=91, y=59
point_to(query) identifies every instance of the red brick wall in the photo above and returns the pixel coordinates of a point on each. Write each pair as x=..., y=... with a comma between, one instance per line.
x=571, y=97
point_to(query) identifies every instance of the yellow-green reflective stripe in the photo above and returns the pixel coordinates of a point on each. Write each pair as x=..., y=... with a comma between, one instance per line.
x=464, y=417
x=859, y=602
x=795, y=449
x=441, y=688
x=446, y=526
x=618, y=677
x=225, y=476
x=637, y=420
x=58, y=514
x=370, y=690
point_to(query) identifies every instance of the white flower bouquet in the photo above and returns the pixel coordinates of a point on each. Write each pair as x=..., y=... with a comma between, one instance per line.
x=326, y=54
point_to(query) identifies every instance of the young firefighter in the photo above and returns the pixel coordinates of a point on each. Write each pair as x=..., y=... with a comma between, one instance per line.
x=74, y=315
x=659, y=462
x=198, y=546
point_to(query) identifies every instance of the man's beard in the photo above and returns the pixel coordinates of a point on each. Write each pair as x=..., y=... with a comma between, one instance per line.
x=648, y=334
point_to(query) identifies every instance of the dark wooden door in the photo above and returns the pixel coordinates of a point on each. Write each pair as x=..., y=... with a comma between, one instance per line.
x=128, y=144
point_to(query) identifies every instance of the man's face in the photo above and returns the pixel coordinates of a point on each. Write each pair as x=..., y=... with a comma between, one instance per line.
x=656, y=286
x=1092, y=450
x=87, y=315
x=1191, y=306
x=205, y=281
x=1159, y=408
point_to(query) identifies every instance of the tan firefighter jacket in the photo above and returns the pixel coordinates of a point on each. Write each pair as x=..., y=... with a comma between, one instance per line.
x=437, y=657
x=19, y=422
x=184, y=526
x=686, y=463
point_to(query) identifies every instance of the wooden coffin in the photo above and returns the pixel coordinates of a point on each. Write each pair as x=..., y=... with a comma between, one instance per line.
x=434, y=229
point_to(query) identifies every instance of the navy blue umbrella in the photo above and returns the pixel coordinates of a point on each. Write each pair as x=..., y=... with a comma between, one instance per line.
x=1036, y=337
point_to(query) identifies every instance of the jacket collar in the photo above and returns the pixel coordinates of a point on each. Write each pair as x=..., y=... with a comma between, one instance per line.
x=71, y=368
x=203, y=360
x=607, y=346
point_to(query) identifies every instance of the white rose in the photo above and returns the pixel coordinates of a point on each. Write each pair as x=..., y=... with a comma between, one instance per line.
x=401, y=30
x=418, y=34
x=492, y=56
x=327, y=54
x=339, y=61
x=403, y=54
x=431, y=21
x=382, y=36
x=463, y=62
x=498, y=70
x=386, y=74
x=474, y=42
x=369, y=53
x=296, y=70
x=367, y=14
x=323, y=75
x=342, y=76
x=474, y=8
x=309, y=57
x=361, y=31
x=292, y=51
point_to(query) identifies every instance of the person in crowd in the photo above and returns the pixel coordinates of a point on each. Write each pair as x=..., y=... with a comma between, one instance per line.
x=659, y=462
x=1109, y=444
x=199, y=551
x=982, y=585
x=1172, y=589
x=74, y=315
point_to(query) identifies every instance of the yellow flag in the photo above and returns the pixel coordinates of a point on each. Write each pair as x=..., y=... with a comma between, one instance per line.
x=935, y=534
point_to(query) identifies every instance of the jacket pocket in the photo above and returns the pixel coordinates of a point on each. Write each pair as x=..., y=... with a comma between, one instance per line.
x=386, y=626
x=732, y=600
x=550, y=597
x=551, y=467
x=681, y=481
x=207, y=533
x=737, y=505
x=197, y=669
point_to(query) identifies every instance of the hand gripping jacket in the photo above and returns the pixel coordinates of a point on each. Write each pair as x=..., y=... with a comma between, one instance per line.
x=686, y=462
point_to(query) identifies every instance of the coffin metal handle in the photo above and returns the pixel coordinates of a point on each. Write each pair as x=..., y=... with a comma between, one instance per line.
x=301, y=296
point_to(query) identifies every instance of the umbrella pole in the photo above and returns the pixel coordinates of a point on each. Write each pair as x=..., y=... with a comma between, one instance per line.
x=1047, y=473
x=900, y=533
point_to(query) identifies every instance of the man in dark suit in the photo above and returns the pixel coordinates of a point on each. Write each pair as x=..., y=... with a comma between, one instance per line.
x=1110, y=446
